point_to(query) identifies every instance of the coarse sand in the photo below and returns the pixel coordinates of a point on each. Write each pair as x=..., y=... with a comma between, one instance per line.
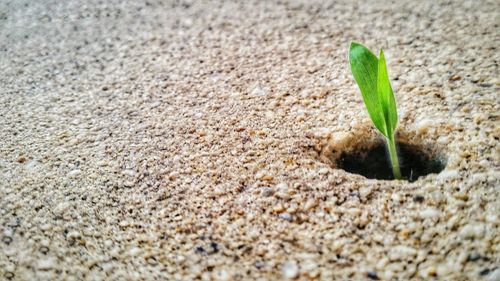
x=186, y=140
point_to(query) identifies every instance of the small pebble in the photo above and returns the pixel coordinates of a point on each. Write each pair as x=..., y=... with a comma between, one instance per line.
x=133, y=252
x=44, y=250
x=286, y=216
x=429, y=213
x=290, y=270
x=7, y=240
x=471, y=231
x=402, y=253
x=282, y=187
x=9, y=275
x=128, y=184
x=267, y=192
x=74, y=173
x=311, y=203
x=365, y=191
x=152, y=261
x=130, y=173
x=474, y=257
x=47, y=263
x=73, y=235
x=278, y=208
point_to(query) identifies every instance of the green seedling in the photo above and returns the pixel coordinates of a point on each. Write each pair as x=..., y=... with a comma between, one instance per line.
x=371, y=75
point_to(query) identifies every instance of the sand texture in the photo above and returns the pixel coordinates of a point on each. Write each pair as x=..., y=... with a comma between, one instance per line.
x=196, y=140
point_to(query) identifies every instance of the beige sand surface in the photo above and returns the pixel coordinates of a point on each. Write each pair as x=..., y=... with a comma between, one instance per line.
x=185, y=140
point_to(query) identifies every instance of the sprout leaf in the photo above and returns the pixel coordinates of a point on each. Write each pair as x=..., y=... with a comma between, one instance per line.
x=372, y=78
x=364, y=67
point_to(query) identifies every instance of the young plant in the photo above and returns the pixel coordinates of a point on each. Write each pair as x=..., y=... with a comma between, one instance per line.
x=371, y=75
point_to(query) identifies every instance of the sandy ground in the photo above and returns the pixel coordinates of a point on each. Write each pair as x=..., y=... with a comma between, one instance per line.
x=180, y=140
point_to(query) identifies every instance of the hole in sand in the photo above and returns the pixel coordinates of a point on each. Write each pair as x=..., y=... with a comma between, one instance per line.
x=374, y=163
x=365, y=153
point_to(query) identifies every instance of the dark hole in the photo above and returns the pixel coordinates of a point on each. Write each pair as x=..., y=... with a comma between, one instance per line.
x=199, y=250
x=374, y=163
x=215, y=247
x=372, y=275
x=485, y=271
x=418, y=198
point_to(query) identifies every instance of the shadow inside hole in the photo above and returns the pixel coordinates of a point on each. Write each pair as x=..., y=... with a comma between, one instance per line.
x=374, y=163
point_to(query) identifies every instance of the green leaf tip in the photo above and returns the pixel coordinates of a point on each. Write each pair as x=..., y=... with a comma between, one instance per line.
x=386, y=96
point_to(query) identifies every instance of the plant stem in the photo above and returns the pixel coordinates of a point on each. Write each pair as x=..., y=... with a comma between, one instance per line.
x=393, y=154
